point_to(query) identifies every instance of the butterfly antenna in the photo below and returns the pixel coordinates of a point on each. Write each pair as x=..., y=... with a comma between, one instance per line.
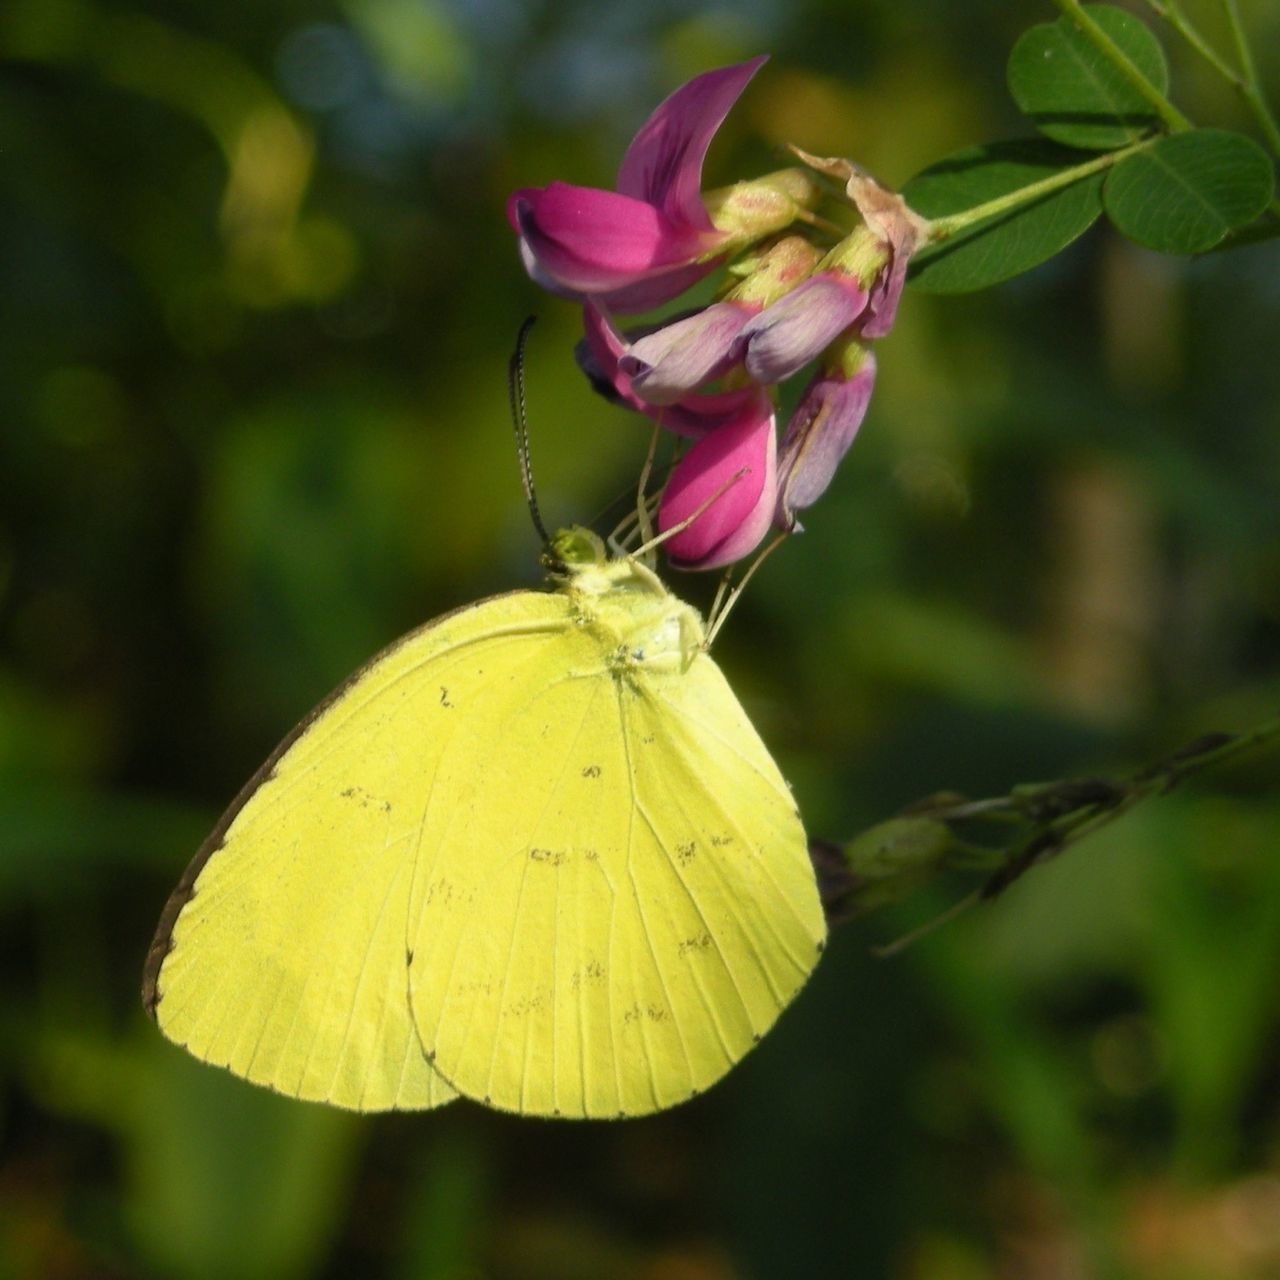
x=520, y=422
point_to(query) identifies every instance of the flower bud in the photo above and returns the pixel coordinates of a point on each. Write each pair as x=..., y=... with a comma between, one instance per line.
x=880, y=867
x=758, y=207
x=892, y=222
x=726, y=487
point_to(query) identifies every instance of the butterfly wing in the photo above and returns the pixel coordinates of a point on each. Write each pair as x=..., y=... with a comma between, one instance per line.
x=282, y=954
x=617, y=901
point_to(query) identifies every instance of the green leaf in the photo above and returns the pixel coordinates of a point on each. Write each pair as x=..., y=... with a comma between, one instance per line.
x=1009, y=243
x=1073, y=93
x=1184, y=193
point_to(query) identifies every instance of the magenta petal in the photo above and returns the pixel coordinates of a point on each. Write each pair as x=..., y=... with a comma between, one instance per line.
x=695, y=416
x=674, y=361
x=800, y=326
x=739, y=462
x=604, y=347
x=591, y=241
x=663, y=164
x=819, y=435
x=653, y=291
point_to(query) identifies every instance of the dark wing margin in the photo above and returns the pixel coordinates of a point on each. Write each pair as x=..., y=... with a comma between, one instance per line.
x=162, y=942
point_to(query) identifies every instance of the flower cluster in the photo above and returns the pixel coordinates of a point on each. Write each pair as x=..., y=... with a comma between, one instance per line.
x=708, y=375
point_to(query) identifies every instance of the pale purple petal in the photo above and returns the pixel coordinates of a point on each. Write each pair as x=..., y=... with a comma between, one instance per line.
x=901, y=230
x=882, y=306
x=799, y=326
x=663, y=164
x=598, y=357
x=737, y=462
x=818, y=436
x=674, y=361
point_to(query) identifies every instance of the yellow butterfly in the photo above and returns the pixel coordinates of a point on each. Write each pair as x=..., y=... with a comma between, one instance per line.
x=534, y=853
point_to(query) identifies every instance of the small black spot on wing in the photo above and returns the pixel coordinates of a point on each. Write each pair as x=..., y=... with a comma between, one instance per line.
x=591, y=771
x=700, y=942
x=359, y=796
x=648, y=1012
x=592, y=972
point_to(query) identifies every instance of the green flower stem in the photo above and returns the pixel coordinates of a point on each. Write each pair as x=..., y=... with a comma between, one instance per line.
x=1246, y=86
x=941, y=229
x=1173, y=118
x=1250, y=87
x=1062, y=814
x=1052, y=837
x=1171, y=13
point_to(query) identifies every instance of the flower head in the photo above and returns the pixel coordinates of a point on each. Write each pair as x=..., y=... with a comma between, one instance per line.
x=788, y=305
x=646, y=242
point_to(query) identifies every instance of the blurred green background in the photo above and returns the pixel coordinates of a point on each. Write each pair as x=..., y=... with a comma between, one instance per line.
x=258, y=296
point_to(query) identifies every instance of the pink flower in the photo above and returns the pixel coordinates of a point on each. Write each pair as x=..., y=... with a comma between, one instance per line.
x=733, y=470
x=643, y=244
x=677, y=359
x=732, y=467
x=601, y=356
x=856, y=287
x=822, y=428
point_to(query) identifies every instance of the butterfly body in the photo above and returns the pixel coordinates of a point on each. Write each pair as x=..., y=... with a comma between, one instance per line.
x=533, y=853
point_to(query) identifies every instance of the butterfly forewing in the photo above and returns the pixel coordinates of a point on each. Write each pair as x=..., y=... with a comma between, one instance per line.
x=288, y=962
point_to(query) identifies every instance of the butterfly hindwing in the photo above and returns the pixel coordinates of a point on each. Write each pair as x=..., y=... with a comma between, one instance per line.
x=618, y=902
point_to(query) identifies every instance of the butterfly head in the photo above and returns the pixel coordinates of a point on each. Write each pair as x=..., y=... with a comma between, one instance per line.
x=569, y=551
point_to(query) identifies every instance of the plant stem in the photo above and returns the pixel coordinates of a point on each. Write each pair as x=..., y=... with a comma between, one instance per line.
x=1050, y=838
x=1171, y=12
x=1173, y=118
x=1246, y=86
x=944, y=228
x=1250, y=88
